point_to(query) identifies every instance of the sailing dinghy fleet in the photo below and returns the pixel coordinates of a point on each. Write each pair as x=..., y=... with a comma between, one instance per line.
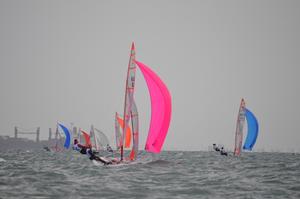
x=127, y=124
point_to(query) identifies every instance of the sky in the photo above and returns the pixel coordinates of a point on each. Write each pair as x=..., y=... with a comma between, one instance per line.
x=66, y=61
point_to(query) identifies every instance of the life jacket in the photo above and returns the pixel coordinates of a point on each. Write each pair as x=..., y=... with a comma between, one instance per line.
x=76, y=147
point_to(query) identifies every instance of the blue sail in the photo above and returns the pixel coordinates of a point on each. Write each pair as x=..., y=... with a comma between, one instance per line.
x=68, y=136
x=252, y=130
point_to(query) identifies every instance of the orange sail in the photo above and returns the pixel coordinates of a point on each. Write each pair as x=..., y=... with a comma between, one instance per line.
x=86, y=138
x=127, y=134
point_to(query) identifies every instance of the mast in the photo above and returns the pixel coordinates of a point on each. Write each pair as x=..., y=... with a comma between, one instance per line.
x=129, y=91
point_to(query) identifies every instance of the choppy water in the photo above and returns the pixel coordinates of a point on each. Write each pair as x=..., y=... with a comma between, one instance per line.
x=42, y=174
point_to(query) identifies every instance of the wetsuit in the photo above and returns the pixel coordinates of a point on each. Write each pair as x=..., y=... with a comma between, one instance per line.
x=46, y=148
x=109, y=149
x=82, y=150
x=216, y=148
x=76, y=147
x=92, y=156
x=223, y=152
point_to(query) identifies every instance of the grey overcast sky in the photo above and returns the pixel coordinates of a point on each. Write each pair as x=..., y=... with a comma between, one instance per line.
x=67, y=61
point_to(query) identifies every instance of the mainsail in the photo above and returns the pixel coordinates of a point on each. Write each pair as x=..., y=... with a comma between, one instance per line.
x=93, y=139
x=135, y=131
x=161, y=108
x=99, y=140
x=67, y=134
x=129, y=92
x=239, y=128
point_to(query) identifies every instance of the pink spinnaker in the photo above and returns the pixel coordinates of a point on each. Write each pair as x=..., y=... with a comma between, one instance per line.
x=160, y=109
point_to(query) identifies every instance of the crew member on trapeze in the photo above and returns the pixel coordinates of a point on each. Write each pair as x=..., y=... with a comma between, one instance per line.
x=79, y=147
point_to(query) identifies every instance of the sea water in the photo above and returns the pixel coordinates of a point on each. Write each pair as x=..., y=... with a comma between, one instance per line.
x=42, y=174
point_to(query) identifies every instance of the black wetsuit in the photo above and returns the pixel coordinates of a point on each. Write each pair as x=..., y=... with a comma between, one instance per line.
x=46, y=148
x=109, y=149
x=94, y=157
x=83, y=150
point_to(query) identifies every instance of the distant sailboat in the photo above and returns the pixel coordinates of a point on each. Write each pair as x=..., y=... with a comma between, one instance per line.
x=57, y=146
x=252, y=133
x=98, y=139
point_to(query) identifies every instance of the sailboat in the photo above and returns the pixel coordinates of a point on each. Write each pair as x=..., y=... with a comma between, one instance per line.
x=252, y=133
x=57, y=145
x=98, y=140
x=160, y=108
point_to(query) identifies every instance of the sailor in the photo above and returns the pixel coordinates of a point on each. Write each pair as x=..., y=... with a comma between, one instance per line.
x=46, y=148
x=92, y=156
x=223, y=152
x=215, y=147
x=109, y=149
x=79, y=147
